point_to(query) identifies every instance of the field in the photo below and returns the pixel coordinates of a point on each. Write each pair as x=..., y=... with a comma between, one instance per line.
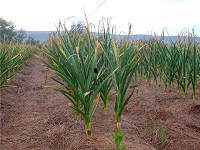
x=154, y=103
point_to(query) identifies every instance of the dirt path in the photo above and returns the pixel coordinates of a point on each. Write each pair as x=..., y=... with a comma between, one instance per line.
x=24, y=115
x=38, y=118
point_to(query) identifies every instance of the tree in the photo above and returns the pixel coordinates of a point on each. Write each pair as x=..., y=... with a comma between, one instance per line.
x=6, y=30
x=77, y=27
x=20, y=36
x=32, y=41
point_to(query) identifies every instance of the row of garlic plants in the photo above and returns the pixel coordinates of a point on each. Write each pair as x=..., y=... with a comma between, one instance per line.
x=95, y=67
x=12, y=56
x=177, y=63
x=90, y=67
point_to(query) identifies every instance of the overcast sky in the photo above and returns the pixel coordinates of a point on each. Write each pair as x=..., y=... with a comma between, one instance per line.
x=146, y=16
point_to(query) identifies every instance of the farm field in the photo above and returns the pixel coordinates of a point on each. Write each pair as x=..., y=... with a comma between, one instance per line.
x=34, y=117
x=80, y=90
x=100, y=75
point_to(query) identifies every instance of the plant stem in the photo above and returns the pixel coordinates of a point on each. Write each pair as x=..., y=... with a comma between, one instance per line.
x=88, y=130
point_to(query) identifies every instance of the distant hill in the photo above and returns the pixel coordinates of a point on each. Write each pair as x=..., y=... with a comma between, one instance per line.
x=43, y=36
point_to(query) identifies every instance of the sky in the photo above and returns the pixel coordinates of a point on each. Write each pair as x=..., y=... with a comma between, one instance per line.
x=145, y=16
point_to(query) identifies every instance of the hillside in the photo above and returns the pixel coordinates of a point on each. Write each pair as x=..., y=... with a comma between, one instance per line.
x=41, y=36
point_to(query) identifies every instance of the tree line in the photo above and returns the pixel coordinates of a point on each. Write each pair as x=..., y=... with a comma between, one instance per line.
x=9, y=33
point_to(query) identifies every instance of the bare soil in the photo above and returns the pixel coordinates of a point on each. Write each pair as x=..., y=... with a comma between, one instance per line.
x=38, y=118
